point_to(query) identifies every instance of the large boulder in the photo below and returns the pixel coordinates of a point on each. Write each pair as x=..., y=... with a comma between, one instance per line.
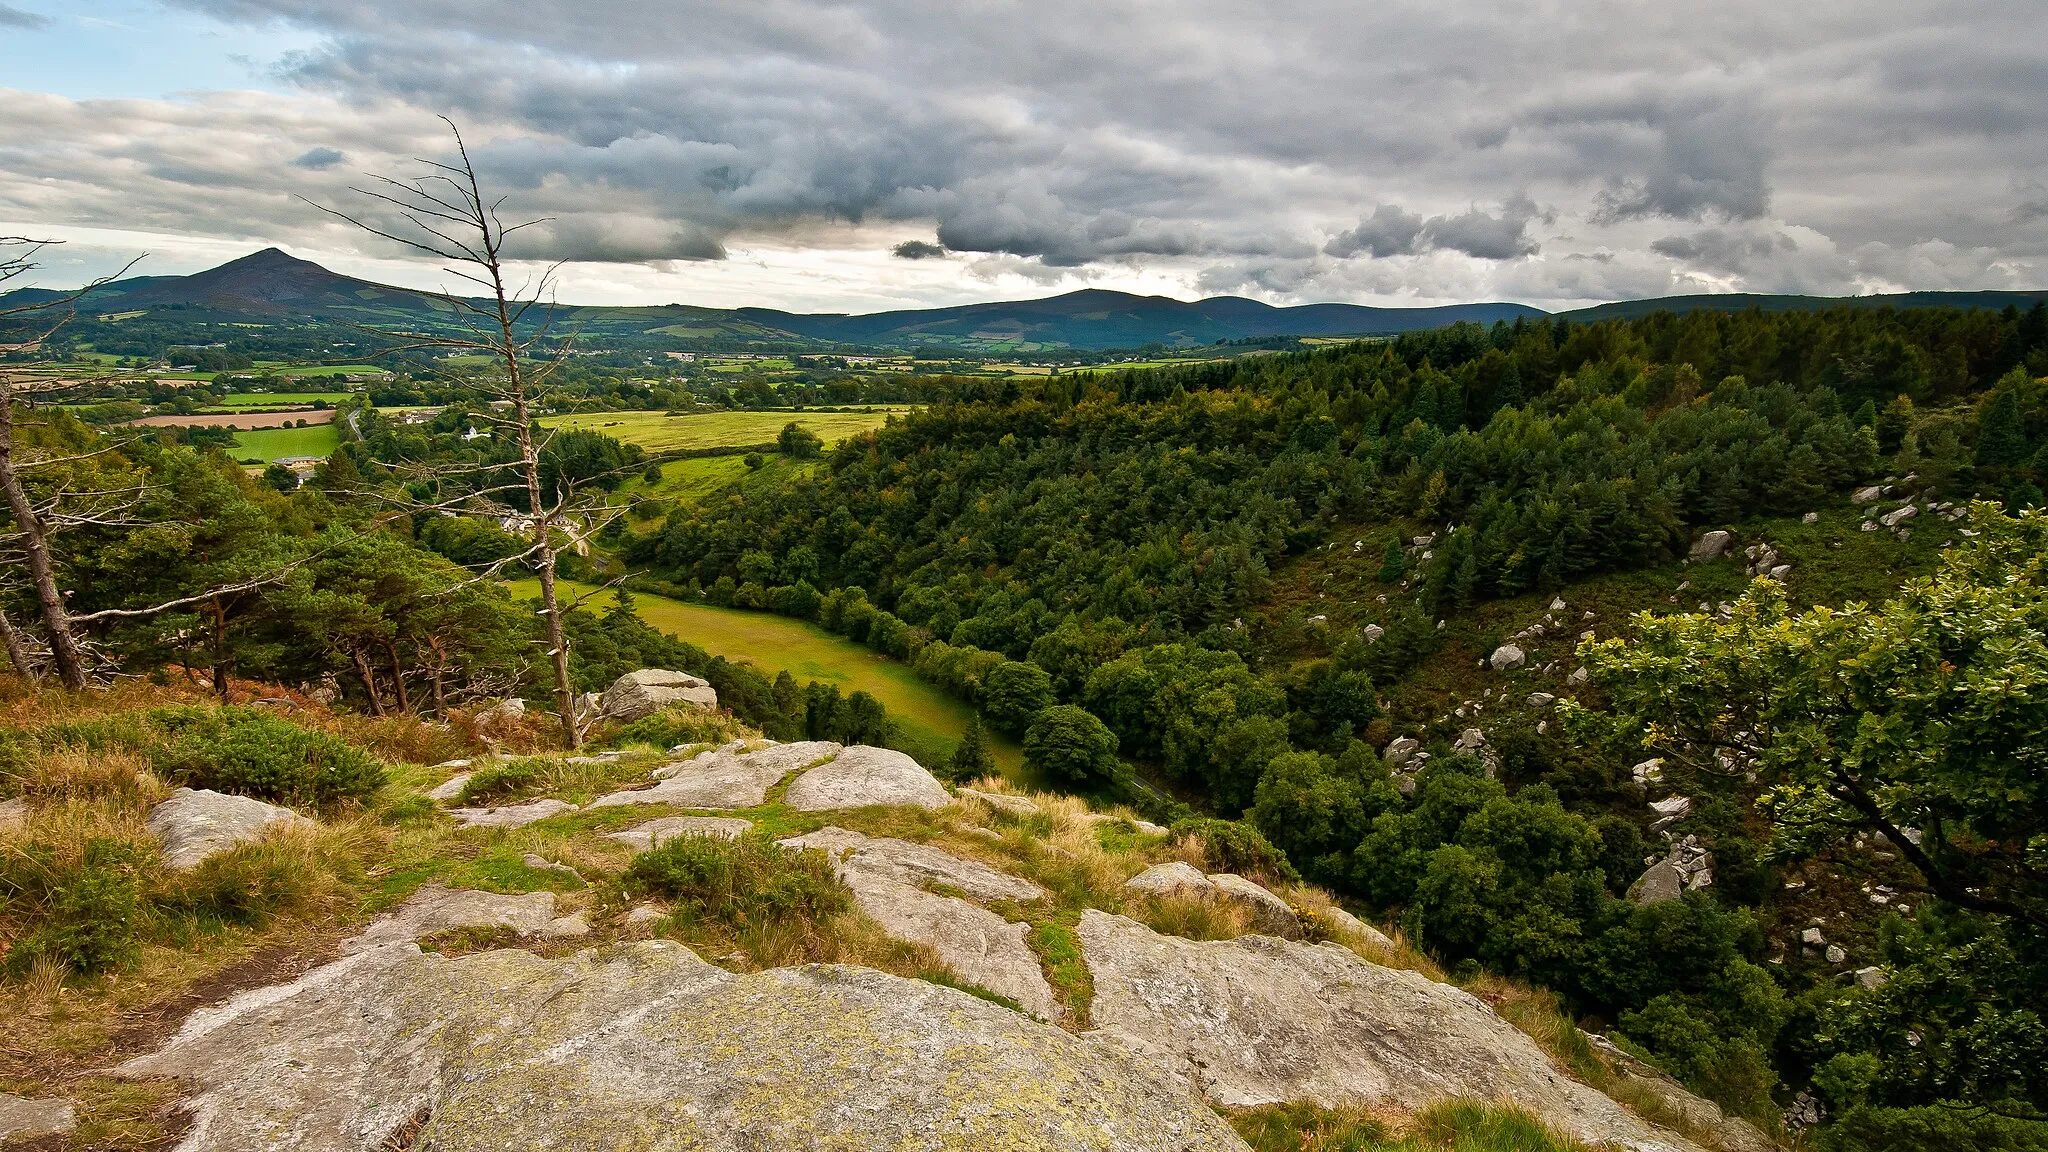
x=1507, y=658
x=1259, y=1020
x=641, y=694
x=643, y=1046
x=1712, y=545
x=197, y=823
x=1264, y=911
x=1175, y=878
x=861, y=776
x=917, y=865
x=723, y=778
x=1725, y=1132
x=438, y=909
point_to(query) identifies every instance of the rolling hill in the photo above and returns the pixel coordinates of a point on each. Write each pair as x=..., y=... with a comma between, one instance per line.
x=271, y=285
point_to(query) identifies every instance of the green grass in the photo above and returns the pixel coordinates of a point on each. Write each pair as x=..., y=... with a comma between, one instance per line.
x=661, y=433
x=932, y=721
x=266, y=444
x=690, y=480
x=317, y=369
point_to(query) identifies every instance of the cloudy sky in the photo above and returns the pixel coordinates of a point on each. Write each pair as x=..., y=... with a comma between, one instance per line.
x=888, y=153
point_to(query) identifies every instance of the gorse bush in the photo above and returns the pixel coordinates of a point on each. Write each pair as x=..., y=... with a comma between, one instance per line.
x=256, y=754
x=1234, y=846
x=739, y=884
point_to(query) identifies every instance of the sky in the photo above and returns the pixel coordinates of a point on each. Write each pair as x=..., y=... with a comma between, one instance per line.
x=869, y=154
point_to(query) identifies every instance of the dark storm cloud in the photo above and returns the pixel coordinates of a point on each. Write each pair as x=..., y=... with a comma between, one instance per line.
x=1394, y=231
x=1232, y=143
x=917, y=250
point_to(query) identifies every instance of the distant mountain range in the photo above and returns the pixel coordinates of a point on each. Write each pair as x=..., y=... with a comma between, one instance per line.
x=270, y=286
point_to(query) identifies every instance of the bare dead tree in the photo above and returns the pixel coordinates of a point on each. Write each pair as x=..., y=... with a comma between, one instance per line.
x=446, y=215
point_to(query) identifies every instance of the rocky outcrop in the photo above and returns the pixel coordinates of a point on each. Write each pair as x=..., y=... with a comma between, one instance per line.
x=638, y=695
x=1687, y=867
x=724, y=778
x=1264, y=911
x=1343, y=922
x=22, y=1118
x=861, y=776
x=644, y=1046
x=1145, y=827
x=437, y=909
x=1726, y=1133
x=450, y=790
x=888, y=878
x=1259, y=1020
x=510, y=815
x=1711, y=545
x=917, y=865
x=642, y=837
x=194, y=824
x=500, y=718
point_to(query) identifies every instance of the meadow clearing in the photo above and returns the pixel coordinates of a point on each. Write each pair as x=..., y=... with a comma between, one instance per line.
x=660, y=432
x=266, y=444
x=931, y=721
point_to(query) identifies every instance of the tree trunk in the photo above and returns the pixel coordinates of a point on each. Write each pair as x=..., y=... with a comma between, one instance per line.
x=440, y=674
x=558, y=645
x=398, y=677
x=220, y=651
x=65, y=654
x=369, y=676
x=17, y=649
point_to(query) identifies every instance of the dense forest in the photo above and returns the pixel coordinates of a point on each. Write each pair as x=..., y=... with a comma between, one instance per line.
x=1088, y=561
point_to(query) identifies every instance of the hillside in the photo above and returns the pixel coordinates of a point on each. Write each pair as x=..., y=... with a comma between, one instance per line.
x=270, y=286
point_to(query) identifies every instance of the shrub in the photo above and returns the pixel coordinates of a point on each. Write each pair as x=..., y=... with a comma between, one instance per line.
x=1304, y=1127
x=502, y=781
x=88, y=923
x=256, y=754
x=1234, y=846
x=739, y=884
x=683, y=724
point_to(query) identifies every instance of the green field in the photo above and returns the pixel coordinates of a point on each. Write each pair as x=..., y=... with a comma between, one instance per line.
x=690, y=480
x=659, y=432
x=930, y=719
x=267, y=444
x=282, y=369
x=247, y=401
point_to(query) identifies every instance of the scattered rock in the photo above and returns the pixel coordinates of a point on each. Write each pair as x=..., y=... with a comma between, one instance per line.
x=1658, y=883
x=1507, y=658
x=644, y=916
x=1711, y=545
x=1400, y=751
x=643, y=837
x=1650, y=771
x=1342, y=921
x=1866, y=495
x=917, y=865
x=1541, y=699
x=1835, y=954
x=1002, y=801
x=566, y=928
x=1686, y=868
x=1898, y=516
x=636, y=1047
x=510, y=815
x=1578, y=676
x=1257, y=1021
x=196, y=823
x=1812, y=937
x=1470, y=740
x=500, y=718
x=450, y=789
x=457, y=764
x=1145, y=826
x=536, y=860
x=1670, y=810
x=1175, y=878
x=1269, y=914
x=22, y=1118
x=861, y=776
x=438, y=909
x=641, y=694
x=1871, y=978
x=1810, y=518
x=1373, y=632
x=13, y=813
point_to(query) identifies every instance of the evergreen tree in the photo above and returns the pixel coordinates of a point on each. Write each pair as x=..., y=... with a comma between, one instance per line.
x=971, y=757
x=1393, y=563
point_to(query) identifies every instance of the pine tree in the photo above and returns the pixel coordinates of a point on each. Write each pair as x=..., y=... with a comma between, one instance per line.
x=971, y=758
x=2001, y=441
x=1393, y=563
